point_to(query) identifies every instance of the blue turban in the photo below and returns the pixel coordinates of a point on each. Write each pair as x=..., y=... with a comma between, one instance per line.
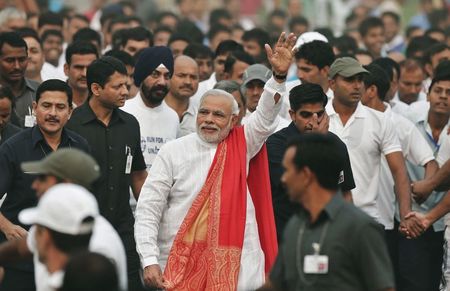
x=149, y=59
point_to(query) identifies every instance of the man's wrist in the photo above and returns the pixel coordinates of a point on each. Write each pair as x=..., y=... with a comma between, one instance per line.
x=279, y=76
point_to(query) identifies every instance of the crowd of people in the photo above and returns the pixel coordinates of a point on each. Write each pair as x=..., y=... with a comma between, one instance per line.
x=172, y=153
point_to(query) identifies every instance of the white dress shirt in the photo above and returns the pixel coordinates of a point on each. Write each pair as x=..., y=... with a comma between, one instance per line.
x=177, y=176
x=368, y=135
x=415, y=150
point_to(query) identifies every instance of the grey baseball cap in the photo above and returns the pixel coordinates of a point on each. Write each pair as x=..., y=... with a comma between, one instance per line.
x=67, y=163
x=256, y=72
x=346, y=67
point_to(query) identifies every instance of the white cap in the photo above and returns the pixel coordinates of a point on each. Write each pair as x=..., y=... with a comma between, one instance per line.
x=63, y=208
x=309, y=37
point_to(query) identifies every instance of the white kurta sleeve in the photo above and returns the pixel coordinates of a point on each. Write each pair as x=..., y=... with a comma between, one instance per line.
x=261, y=123
x=150, y=206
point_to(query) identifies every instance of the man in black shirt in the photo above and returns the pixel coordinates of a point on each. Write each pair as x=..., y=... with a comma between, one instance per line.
x=114, y=137
x=308, y=114
x=7, y=129
x=52, y=107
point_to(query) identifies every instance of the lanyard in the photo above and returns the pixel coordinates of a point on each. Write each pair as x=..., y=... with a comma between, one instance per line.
x=316, y=247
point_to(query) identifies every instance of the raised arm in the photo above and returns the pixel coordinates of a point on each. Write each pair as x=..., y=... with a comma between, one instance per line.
x=262, y=122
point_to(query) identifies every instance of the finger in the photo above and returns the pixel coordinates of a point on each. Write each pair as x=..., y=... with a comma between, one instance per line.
x=280, y=40
x=411, y=214
x=269, y=51
x=291, y=40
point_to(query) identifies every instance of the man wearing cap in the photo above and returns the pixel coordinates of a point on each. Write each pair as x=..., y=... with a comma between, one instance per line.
x=115, y=139
x=53, y=170
x=254, y=79
x=52, y=109
x=308, y=115
x=368, y=134
x=183, y=85
x=64, y=222
x=197, y=219
x=158, y=122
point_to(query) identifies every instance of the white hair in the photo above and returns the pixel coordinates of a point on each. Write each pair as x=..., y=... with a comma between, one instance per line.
x=219, y=92
x=11, y=13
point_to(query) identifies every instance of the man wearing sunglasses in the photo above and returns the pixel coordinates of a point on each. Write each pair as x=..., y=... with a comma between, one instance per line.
x=307, y=102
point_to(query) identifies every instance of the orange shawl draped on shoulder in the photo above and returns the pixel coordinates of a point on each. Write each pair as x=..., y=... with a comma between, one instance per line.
x=206, y=251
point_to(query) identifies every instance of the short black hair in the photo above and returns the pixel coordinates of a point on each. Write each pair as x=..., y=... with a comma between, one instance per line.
x=322, y=155
x=410, y=29
x=69, y=243
x=177, y=36
x=122, y=19
x=101, y=70
x=306, y=93
x=136, y=33
x=162, y=28
x=217, y=14
x=325, y=31
x=7, y=93
x=298, y=20
x=317, y=53
x=12, y=39
x=28, y=32
x=257, y=34
x=90, y=272
x=50, y=18
x=389, y=65
x=377, y=77
x=80, y=48
x=87, y=34
x=216, y=29
x=441, y=73
x=235, y=56
x=369, y=23
x=419, y=44
x=345, y=44
x=51, y=32
x=227, y=46
x=190, y=30
x=54, y=85
x=122, y=56
x=80, y=17
x=392, y=15
x=434, y=49
x=196, y=50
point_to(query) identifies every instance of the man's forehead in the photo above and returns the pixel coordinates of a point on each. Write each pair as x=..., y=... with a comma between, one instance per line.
x=12, y=50
x=216, y=102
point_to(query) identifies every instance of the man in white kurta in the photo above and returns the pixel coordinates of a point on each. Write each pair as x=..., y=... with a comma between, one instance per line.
x=179, y=173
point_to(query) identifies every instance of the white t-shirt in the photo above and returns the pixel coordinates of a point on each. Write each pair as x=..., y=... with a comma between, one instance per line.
x=415, y=149
x=104, y=240
x=49, y=71
x=368, y=135
x=158, y=125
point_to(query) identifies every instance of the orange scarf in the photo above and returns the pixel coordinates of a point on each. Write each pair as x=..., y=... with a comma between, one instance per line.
x=206, y=251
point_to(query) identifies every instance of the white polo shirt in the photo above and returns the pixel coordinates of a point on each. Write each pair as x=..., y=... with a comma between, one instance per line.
x=415, y=150
x=104, y=240
x=368, y=135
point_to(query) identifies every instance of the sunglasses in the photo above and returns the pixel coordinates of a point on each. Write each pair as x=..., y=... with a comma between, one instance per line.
x=309, y=114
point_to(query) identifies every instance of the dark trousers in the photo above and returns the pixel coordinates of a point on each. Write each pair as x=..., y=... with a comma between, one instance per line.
x=133, y=263
x=420, y=262
x=392, y=236
x=17, y=280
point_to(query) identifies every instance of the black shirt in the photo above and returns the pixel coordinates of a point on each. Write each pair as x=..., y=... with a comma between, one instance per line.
x=276, y=146
x=8, y=131
x=354, y=243
x=110, y=146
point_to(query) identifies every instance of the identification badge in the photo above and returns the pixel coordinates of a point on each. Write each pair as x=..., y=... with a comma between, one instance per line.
x=129, y=160
x=30, y=120
x=315, y=264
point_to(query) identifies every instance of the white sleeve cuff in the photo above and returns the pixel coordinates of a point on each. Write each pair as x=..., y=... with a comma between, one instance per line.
x=153, y=260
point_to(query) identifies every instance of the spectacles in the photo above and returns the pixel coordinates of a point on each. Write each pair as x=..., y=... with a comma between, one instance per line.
x=309, y=114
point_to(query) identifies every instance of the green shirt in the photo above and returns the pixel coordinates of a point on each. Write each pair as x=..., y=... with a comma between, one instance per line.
x=354, y=243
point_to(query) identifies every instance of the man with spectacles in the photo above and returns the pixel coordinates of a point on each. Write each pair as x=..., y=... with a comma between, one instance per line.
x=307, y=102
x=52, y=108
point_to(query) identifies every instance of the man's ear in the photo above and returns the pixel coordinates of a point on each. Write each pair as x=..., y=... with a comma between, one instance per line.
x=96, y=88
x=292, y=114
